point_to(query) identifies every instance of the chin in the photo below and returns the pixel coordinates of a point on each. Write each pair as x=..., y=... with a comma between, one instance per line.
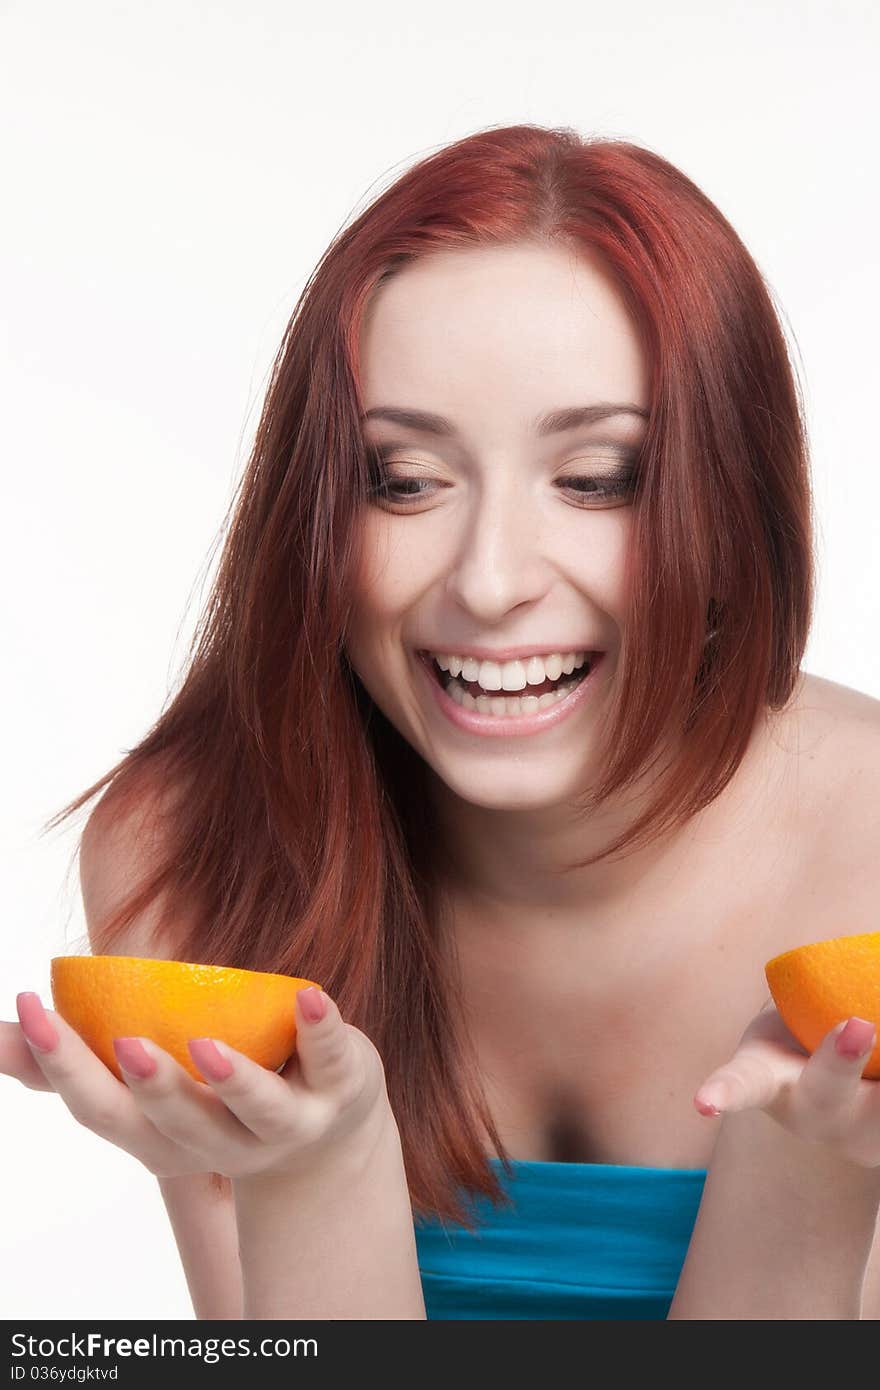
x=512, y=788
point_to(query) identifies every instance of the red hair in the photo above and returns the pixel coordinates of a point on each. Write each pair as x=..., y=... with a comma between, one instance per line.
x=294, y=831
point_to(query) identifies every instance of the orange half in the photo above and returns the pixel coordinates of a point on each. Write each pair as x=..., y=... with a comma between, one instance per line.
x=819, y=985
x=170, y=1001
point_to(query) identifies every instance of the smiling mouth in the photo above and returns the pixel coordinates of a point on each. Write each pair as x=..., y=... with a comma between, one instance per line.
x=563, y=684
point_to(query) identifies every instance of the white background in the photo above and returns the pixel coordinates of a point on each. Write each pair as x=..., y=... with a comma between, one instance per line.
x=171, y=172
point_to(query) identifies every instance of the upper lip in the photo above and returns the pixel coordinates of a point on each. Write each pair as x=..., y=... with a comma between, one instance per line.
x=505, y=653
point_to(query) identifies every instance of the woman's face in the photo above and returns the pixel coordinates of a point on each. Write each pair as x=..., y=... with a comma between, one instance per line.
x=496, y=533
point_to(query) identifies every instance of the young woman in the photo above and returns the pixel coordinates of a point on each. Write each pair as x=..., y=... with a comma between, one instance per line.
x=495, y=726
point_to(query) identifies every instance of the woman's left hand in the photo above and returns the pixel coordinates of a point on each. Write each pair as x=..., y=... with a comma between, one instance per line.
x=822, y=1098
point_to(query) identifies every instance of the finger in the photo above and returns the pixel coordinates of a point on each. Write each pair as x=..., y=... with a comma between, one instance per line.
x=753, y=1077
x=269, y=1108
x=280, y=1108
x=92, y=1093
x=323, y=1046
x=830, y=1082
x=766, y=1074
x=768, y=1062
x=16, y=1059
x=226, y=1121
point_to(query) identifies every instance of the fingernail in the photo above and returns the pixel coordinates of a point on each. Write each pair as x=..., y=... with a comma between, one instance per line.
x=856, y=1039
x=133, y=1057
x=34, y=1023
x=706, y=1107
x=209, y=1059
x=313, y=1003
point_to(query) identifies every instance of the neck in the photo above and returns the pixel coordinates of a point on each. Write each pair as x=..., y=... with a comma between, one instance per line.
x=517, y=861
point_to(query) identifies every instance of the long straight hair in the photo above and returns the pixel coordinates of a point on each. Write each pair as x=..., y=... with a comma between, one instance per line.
x=294, y=835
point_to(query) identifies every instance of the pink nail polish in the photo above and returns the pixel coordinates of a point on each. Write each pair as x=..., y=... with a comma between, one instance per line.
x=34, y=1022
x=133, y=1057
x=856, y=1039
x=706, y=1108
x=313, y=1003
x=209, y=1059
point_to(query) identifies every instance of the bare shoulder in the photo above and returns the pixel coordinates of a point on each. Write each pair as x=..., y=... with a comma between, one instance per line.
x=834, y=730
x=828, y=701
x=119, y=850
x=819, y=706
x=829, y=738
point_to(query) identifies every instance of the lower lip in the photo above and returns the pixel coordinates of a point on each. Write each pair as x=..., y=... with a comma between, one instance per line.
x=510, y=726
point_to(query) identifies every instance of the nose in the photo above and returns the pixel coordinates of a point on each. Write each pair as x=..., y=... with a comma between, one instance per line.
x=500, y=559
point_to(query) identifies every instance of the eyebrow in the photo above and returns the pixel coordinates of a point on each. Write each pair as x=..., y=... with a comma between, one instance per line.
x=553, y=422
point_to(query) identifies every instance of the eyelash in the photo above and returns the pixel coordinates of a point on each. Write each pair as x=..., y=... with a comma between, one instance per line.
x=620, y=484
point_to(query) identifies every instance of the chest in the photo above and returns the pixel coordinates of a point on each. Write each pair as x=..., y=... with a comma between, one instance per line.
x=592, y=1036
x=602, y=1069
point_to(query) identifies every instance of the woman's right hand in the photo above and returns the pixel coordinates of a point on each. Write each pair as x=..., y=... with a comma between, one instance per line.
x=329, y=1099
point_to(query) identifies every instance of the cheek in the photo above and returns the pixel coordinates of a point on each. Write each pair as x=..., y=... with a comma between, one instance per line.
x=388, y=584
x=596, y=563
x=395, y=566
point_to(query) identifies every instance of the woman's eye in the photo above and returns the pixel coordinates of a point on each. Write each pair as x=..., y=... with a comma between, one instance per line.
x=398, y=487
x=610, y=486
x=394, y=488
x=587, y=488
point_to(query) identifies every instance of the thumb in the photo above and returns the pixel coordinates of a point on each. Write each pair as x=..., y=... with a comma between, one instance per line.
x=748, y=1080
x=323, y=1045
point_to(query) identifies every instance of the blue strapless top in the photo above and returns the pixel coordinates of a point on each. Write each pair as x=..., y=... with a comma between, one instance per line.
x=582, y=1241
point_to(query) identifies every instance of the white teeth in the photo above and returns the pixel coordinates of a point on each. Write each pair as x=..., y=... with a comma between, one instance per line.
x=504, y=705
x=511, y=675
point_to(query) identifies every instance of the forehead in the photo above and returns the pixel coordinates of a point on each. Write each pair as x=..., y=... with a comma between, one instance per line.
x=542, y=326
